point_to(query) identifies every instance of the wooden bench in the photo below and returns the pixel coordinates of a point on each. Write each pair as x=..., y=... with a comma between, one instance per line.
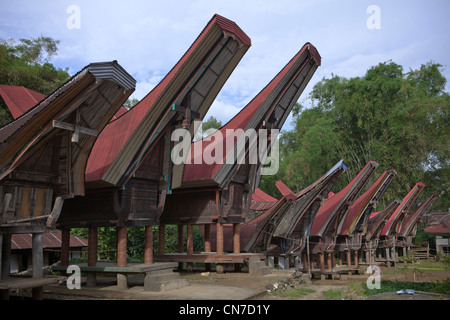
x=158, y=276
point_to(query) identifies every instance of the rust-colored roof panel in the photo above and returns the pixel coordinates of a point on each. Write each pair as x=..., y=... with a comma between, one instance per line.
x=19, y=99
x=411, y=220
x=121, y=145
x=51, y=240
x=269, y=97
x=365, y=204
x=395, y=221
x=340, y=200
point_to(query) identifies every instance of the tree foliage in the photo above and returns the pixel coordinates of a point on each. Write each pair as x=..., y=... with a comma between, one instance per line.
x=27, y=64
x=397, y=118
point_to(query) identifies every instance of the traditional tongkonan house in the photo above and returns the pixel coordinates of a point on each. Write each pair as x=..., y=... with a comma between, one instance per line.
x=279, y=228
x=325, y=225
x=375, y=225
x=129, y=172
x=353, y=225
x=43, y=156
x=409, y=225
x=387, y=237
x=213, y=193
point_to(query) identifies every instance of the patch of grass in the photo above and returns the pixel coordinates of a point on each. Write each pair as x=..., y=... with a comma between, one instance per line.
x=332, y=294
x=391, y=286
x=293, y=294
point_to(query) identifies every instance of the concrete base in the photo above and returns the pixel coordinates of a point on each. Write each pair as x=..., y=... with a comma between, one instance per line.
x=162, y=280
x=257, y=267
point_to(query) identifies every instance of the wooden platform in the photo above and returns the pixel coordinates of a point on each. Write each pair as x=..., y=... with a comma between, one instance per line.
x=36, y=284
x=110, y=267
x=15, y=283
x=207, y=257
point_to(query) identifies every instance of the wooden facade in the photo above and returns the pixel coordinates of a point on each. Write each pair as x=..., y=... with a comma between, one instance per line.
x=43, y=153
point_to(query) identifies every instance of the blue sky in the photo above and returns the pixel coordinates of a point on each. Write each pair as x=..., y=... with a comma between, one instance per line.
x=148, y=37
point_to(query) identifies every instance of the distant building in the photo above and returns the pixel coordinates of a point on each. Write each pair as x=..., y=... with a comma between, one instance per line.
x=21, y=245
x=438, y=223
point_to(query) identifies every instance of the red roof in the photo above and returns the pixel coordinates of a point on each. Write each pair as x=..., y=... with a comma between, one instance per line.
x=51, y=239
x=19, y=99
x=358, y=207
x=196, y=169
x=116, y=134
x=328, y=210
x=443, y=228
x=403, y=208
x=411, y=220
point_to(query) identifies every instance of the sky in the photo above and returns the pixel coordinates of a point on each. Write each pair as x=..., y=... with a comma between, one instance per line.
x=148, y=37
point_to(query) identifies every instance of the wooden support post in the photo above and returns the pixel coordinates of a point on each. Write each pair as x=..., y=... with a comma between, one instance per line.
x=65, y=246
x=237, y=243
x=38, y=263
x=329, y=263
x=341, y=258
x=121, y=255
x=6, y=256
x=207, y=238
x=219, y=244
x=349, y=258
x=190, y=245
x=322, y=262
x=180, y=243
x=91, y=279
x=161, y=238
x=207, y=244
x=304, y=261
x=355, y=257
x=148, y=249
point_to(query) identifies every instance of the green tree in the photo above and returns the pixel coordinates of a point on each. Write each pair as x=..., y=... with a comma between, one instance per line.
x=27, y=64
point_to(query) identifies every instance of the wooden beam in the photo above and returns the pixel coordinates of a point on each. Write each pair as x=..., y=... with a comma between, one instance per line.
x=71, y=127
x=54, y=215
x=148, y=247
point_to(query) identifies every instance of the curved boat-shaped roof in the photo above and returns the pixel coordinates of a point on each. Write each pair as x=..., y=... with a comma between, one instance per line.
x=411, y=221
x=357, y=216
x=337, y=205
x=199, y=74
x=272, y=105
x=395, y=221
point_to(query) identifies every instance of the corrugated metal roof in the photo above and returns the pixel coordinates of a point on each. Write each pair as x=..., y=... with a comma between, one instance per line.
x=51, y=240
x=19, y=99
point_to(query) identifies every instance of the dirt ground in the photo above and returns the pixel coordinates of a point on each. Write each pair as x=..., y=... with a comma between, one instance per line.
x=275, y=286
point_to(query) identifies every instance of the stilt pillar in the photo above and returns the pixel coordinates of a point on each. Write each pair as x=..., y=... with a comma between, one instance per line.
x=180, y=241
x=329, y=263
x=65, y=246
x=237, y=243
x=219, y=244
x=355, y=257
x=148, y=246
x=161, y=238
x=341, y=258
x=121, y=255
x=38, y=263
x=207, y=244
x=190, y=245
x=304, y=261
x=91, y=279
x=322, y=262
x=5, y=255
